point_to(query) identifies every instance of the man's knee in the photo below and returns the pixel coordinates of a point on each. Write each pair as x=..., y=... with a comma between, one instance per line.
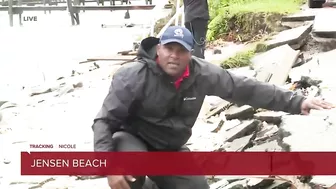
x=197, y=182
x=190, y=182
x=180, y=182
x=126, y=142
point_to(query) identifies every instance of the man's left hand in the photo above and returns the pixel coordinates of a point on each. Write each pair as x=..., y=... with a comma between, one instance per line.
x=314, y=103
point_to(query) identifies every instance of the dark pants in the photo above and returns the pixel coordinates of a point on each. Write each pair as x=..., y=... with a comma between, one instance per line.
x=124, y=142
x=198, y=28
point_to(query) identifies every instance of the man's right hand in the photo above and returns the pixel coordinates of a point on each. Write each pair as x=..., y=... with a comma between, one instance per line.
x=119, y=182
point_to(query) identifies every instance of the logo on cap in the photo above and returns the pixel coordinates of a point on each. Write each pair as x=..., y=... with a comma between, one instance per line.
x=178, y=33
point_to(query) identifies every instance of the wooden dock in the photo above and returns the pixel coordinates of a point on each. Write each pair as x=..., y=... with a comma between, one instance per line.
x=72, y=6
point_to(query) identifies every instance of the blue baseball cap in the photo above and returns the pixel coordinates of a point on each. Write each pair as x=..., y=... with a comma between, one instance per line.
x=179, y=35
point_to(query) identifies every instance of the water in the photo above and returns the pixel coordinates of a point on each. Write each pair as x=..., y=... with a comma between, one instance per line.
x=51, y=47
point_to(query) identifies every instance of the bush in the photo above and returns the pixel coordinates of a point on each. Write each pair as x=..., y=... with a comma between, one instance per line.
x=243, y=15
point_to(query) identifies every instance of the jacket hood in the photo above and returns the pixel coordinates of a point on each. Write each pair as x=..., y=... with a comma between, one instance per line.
x=147, y=55
x=147, y=49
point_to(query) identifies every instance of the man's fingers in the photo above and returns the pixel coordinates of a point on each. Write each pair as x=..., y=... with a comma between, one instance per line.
x=130, y=178
x=322, y=104
x=124, y=184
x=315, y=105
x=328, y=105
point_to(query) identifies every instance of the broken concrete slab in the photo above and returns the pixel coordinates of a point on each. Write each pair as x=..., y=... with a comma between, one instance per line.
x=270, y=116
x=299, y=17
x=266, y=58
x=207, y=142
x=229, y=124
x=318, y=126
x=219, y=184
x=274, y=65
x=241, y=184
x=245, y=128
x=281, y=70
x=295, y=37
x=239, y=112
x=266, y=132
x=213, y=100
x=277, y=184
x=200, y=127
x=325, y=181
x=306, y=70
x=209, y=104
x=322, y=26
x=247, y=182
x=240, y=144
x=272, y=146
x=256, y=183
x=40, y=90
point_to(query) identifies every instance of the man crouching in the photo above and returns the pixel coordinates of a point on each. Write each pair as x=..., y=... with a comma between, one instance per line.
x=153, y=103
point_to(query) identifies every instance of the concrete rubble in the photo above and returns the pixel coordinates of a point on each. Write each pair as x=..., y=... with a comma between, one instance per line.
x=320, y=27
x=50, y=109
x=293, y=37
x=247, y=129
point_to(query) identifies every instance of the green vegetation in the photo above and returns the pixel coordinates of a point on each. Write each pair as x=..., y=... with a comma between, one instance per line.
x=243, y=19
x=247, y=20
x=243, y=58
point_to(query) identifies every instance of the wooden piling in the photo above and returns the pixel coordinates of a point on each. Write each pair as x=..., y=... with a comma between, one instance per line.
x=20, y=13
x=44, y=3
x=10, y=12
x=71, y=12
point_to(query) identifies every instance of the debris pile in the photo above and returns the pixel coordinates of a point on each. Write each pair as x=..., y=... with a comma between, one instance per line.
x=223, y=126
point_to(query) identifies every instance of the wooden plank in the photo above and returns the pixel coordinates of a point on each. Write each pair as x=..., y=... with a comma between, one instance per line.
x=35, y=8
x=86, y=61
x=222, y=106
x=114, y=57
x=115, y=7
x=128, y=52
x=78, y=8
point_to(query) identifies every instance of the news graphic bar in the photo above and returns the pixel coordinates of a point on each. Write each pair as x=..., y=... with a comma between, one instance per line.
x=33, y=147
x=178, y=163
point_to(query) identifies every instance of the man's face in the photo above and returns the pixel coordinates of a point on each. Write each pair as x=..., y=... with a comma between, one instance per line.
x=173, y=58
